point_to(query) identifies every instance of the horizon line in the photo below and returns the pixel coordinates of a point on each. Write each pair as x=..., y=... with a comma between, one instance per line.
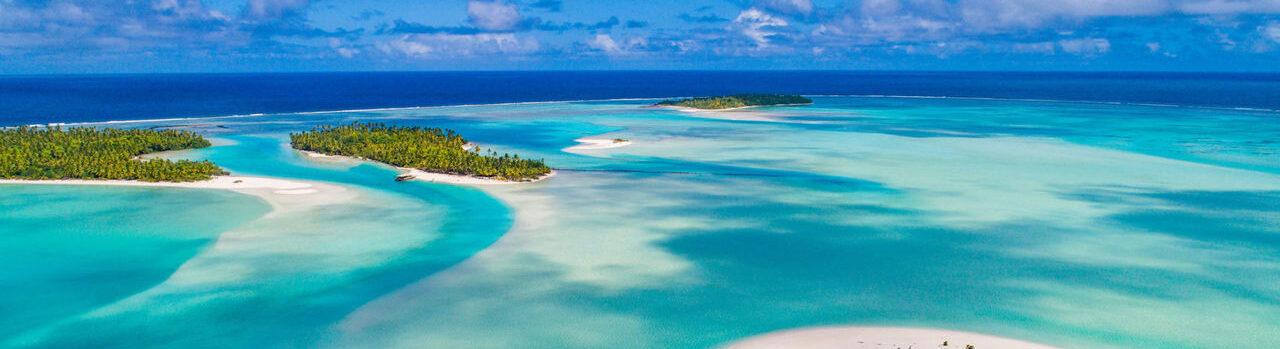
x=303, y=72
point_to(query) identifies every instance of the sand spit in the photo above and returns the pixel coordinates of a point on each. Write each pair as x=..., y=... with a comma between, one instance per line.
x=743, y=114
x=282, y=194
x=852, y=337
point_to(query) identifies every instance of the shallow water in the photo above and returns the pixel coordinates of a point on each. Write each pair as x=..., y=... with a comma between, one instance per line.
x=1073, y=224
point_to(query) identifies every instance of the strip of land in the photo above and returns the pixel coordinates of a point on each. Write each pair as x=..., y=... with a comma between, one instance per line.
x=425, y=176
x=282, y=194
x=737, y=101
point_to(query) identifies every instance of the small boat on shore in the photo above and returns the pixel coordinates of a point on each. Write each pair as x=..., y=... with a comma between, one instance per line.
x=404, y=177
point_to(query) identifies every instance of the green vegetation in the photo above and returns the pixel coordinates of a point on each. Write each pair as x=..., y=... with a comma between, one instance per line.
x=737, y=101
x=88, y=153
x=427, y=149
x=620, y=140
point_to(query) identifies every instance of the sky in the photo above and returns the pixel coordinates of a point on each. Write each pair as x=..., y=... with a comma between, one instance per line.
x=135, y=36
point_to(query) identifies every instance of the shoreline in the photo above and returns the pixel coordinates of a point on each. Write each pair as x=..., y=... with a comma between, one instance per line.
x=694, y=110
x=425, y=176
x=855, y=337
x=740, y=114
x=281, y=194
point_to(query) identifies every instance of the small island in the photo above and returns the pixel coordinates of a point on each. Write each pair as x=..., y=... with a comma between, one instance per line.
x=428, y=149
x=100, y=154
x=737, y=101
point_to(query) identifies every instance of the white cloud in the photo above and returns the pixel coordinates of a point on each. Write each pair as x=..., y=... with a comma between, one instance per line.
x=1087, y=47
x=604, y=42
x=1220, y=7
x=112, y=24
x=442, y=45
x=1271, y=31
x=987, y=16
x=1155, y=47
x=880, y=21
x=493, y=16
x=990, y=15
x=1034, y=47
x=755, y=25
x=342, y=50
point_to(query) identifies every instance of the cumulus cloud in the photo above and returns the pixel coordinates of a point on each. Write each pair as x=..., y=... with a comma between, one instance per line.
x=341, y=49
x=839, y=30
x=1035, y=26
x=886, y=21
x=605, y=43
x=112, y=24
x=1220, y=7
x=1088, y=47
x=493, y=15
x=757, y=26
x=983, y=14
x=1271, y=31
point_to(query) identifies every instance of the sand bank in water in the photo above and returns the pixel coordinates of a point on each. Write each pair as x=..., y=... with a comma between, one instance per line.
x=742, y=114
x=879, y=337
x=282, y=194
x=594, y=143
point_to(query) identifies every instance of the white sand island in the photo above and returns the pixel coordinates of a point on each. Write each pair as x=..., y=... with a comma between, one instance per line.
x=857, y=337
x=596, y=143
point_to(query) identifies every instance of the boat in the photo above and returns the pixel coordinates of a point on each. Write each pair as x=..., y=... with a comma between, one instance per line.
x=404, y=177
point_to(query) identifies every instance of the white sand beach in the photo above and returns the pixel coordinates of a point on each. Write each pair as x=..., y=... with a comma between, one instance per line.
x=282, y=194
x=596, y=143
x=420, y=175
x=856, y=337
x=742, y=114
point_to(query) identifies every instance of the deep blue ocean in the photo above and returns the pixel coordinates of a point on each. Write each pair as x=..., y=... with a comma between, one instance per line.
x=90, y=98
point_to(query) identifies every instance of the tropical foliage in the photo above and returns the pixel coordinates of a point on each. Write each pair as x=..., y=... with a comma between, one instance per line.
x=737, y=101
x=427, y=149
x=89, y=153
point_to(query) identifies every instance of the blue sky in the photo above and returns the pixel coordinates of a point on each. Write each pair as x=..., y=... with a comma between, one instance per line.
x=105, y=36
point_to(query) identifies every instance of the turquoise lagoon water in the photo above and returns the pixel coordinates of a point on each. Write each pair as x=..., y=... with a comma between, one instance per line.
x=1074, y=224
